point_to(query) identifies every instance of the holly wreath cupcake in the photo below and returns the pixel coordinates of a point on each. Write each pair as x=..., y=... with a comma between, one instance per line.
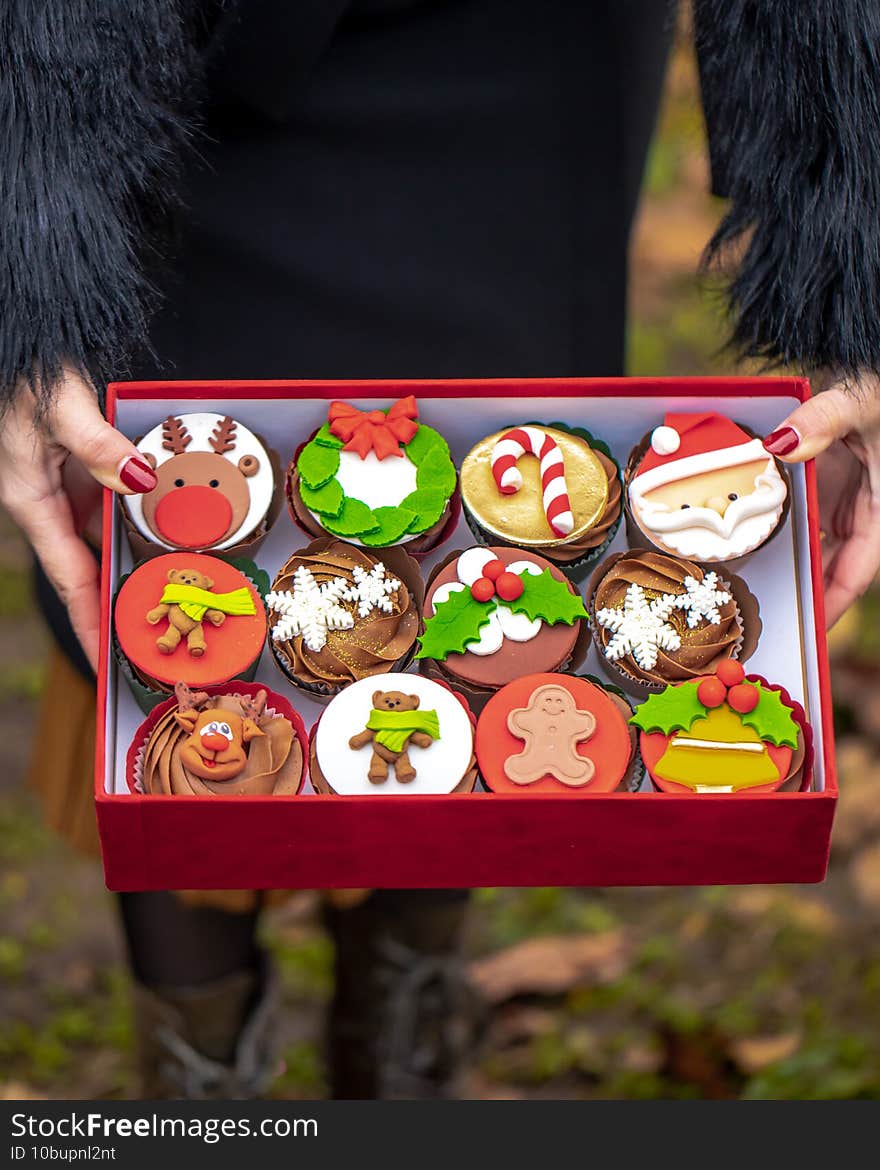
x=549, y=489
x=375, y=478
x=726, y=733
x=234, y=740
x=398, y=735
x=493, y=614
x=700, y=486
x=219, y=488
x=556, y=735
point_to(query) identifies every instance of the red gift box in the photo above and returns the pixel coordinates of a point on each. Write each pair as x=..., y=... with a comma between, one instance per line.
x=480, y=839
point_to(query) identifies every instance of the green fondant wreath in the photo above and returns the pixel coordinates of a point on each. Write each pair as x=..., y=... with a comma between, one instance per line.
x=345, y=516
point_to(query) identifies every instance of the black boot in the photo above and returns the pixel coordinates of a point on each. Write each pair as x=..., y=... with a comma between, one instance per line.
x=403, y=1018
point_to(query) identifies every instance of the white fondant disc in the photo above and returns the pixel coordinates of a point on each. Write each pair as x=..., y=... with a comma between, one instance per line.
x=439, y=768
x=379, y=483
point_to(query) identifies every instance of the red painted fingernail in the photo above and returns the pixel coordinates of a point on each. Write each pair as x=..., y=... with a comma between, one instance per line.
x=137, y=474
x=782, y=442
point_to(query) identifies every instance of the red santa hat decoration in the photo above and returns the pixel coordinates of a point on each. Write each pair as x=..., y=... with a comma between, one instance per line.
x=691, y=444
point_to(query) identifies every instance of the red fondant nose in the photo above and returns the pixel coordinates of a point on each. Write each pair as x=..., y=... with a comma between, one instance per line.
x=193, y=517
x=215, y=742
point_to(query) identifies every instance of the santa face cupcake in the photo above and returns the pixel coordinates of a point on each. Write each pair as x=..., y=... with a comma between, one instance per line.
x=187, y=616
x=555, y=735
x=398, y=735
x=339, y=614
x=727, y=733
x=658, y=619
x=375, y=478
x=239, y=740
x=218, y=487
x=705, y=489
x=493, y=614
x=543, y=488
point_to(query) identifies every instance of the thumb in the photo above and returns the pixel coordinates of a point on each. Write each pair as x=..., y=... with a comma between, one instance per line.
x=78, y=425
x=817, y=423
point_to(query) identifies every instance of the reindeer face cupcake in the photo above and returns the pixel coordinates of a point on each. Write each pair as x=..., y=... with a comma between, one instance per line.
x=217, y=485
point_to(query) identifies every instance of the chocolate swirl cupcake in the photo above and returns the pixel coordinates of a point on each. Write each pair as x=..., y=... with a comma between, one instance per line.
x=660, y=619
x=339, y=614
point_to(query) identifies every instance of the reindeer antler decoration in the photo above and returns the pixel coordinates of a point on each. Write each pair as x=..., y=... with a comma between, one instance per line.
x=223, y=438
x=188, y=699
x=175, y=437
x=252, y=705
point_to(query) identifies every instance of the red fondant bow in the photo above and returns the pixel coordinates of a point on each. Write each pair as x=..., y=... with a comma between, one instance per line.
x=375, y=430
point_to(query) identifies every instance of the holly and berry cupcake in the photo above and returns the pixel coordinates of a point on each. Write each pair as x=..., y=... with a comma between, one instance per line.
x=188, y=616
x=658, y=619
x=393, y=736
x=234, y=740
x=493, y=614
x=700, y=486
x=339, y=614
x=726, y=733
x=549, y=489
x=375, y=478
x=555, y=735
x=219, y=488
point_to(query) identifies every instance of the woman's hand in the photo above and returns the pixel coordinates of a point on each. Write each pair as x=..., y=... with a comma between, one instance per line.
x=37, y=477
x=841, y=428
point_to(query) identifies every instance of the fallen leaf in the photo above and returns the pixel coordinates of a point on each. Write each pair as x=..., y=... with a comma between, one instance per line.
x=551, y=965
x=752, y=1053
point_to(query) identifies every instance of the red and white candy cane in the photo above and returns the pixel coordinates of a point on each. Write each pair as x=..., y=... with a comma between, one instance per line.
x=530, y=440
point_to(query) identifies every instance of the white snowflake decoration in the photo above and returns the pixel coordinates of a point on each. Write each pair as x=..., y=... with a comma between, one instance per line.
x=702, y=600
x=640, y=627
x=311, y=610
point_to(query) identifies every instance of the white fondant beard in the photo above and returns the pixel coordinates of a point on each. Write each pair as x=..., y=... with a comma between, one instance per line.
x=705, y=535
x=261, y=486
x=439, y=768
x=378, y=483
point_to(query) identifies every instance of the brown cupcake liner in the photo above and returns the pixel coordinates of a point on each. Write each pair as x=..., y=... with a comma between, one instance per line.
x=143, y=549
x=748, y=621
x=398, y=561
x=637, y=536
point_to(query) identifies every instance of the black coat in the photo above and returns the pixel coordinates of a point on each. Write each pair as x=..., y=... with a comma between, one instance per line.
x=415, y=187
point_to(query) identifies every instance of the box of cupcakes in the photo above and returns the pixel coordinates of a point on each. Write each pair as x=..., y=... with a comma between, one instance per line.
x=463, y=633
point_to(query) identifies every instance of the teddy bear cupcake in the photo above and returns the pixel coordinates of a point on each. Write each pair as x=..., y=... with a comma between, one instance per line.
x=726, y=733
x=234, y=740
x=396, y=735
x=549, y=489
x=375, y=478
x=219, y=488
x=187, y=616
x=701, y=487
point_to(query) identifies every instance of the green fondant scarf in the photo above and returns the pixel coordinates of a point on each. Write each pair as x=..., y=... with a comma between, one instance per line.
x=195, y=602
x=393, y=727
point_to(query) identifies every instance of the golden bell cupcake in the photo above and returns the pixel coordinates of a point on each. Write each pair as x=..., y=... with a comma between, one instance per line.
x=549, y=489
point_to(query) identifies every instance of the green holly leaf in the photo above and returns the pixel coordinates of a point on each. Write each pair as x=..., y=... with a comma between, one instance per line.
x=674, y=709
x=317, y=464
x=424, y=441
x=547, y=598
x=425, y=508
x=437, y=472
x=326, y=438
x=354, y=519
x=326, y=500
x=393, y=524
x=772, y=720
x=454, y=623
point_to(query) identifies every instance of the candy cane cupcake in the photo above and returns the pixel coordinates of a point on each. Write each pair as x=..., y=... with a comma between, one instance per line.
x=551, y=489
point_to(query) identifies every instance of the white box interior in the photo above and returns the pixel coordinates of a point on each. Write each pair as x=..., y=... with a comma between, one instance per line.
x=778, y=574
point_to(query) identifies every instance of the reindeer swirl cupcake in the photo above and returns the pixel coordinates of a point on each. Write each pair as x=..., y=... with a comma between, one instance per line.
x=218, y=487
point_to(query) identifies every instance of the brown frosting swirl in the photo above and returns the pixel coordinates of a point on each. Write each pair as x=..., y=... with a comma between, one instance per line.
x=375, y=644
x=274, y=759
x=657, y=573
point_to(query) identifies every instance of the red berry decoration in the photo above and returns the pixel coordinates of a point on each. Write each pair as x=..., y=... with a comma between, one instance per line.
x=482, y=589
x=509, y=586
x=711, y=692
x=730, y=672
x=494, y=569
x=743, y=698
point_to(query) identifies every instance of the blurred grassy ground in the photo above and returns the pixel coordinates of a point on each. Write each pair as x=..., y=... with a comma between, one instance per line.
x=761, y=992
